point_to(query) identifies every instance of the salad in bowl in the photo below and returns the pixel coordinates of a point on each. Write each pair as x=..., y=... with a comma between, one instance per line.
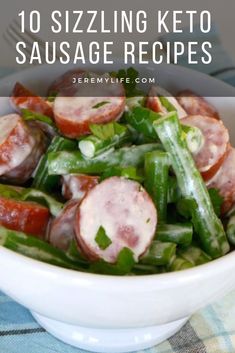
x=117, y=181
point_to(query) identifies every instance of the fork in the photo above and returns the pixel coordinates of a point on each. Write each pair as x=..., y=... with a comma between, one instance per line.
x=13, y=34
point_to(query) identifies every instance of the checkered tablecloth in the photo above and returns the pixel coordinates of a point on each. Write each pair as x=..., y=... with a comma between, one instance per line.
x=211, y=330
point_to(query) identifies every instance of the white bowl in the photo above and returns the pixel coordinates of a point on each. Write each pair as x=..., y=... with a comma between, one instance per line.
x=117, y=314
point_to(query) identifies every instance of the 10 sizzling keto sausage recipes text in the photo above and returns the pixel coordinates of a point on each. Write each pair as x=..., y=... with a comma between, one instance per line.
x=95, y=22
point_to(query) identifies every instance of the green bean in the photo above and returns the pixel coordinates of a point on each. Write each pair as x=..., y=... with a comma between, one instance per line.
x=166, y=103
x=142, y=120
x=42, y=180
x=159, y=254
x=194, y=255
x=29, y=194
x=156, y=180
x=173, y=194
x=186, y=207
x=126, y=172
x=92, y=146
x=216, y=199
x=9, y=191
x=61, y=163
x=143, y=269
x=41, y=197
x=180, y=233
x=37, y=249
x=179, y=264
x=207, y=225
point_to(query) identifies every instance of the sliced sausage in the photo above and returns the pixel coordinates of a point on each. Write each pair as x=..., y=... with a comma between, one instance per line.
x=125, y=212
x=74, y=110
x=153, y=101
x=62, y=227
x=22, y=98
x=224, y=180
x=65, y=81
x=216, y=138
x=23, y=172
x=75, y=186
x=16, y=142
x=196, y=105
x=28, y=217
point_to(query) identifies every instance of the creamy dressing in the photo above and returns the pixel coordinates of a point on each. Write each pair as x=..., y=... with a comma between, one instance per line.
x=7, y=124
x=15, y=153
x=71, y=182
x=87, y=148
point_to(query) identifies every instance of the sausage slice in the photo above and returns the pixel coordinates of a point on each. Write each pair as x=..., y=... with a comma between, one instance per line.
x=62, y=227
x=75, y=110
x=196, y=105
x=23, y=98
x=24, y=171
x=28, y=217
x=216, y=138
x=124, y=211
x=16, y=142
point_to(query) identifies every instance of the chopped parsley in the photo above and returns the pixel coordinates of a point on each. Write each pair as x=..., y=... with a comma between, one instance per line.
x=124, y=264
x=100, y=104
x=130, y=85
x=102, y=240
x=109, y=130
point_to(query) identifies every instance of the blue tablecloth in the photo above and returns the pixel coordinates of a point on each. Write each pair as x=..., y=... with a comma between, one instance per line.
x=211, y=330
